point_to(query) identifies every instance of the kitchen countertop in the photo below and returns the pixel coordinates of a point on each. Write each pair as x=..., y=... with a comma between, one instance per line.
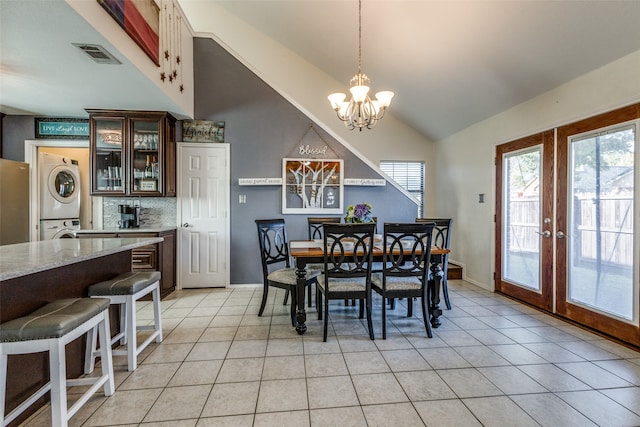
x=26, y=258
x=159, y=229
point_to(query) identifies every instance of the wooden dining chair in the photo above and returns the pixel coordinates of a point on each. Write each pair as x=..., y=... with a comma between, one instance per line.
x=405, y=268
x=442, y=239
x=315, y=225
x=347, y=269
x=374, y=220
x=316, y=233
x=376, y=265
x=276, y=263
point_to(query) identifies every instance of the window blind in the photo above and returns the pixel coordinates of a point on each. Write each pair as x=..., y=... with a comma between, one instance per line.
x=409, y=175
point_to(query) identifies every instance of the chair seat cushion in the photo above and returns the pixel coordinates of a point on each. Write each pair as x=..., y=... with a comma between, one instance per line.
x=346, y=284
x=396, y=283
x=288, y=275
x=319, y=268
x=54, y=320
x=125, y=284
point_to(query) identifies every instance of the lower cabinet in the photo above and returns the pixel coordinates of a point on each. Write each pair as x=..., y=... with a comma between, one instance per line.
x=159, y=256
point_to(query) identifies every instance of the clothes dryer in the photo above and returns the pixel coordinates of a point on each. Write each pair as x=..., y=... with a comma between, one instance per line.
x=59, y=187
x=51, y=229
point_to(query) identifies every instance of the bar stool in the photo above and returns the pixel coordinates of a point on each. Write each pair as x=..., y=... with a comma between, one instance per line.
x=51, y=328
x=125, y=290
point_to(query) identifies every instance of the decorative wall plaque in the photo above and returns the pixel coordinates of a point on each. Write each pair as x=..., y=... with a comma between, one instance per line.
x=61, y=128
x=202, y=131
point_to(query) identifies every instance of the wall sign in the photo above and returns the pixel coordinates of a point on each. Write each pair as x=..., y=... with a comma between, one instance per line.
x=202, y=131
x=365, y=182
x=62, y=128
x=259, y=181
x=308, y=151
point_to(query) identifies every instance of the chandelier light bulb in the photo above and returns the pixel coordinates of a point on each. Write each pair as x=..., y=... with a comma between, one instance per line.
x=336, y=100
x=343, y=109
x=359, y=93
x=376, y=107
x=384, y=98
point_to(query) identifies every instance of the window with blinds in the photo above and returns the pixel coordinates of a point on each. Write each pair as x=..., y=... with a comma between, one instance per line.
x=409, y=175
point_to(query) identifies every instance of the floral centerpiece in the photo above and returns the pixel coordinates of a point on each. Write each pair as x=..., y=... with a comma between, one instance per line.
x=362, y=212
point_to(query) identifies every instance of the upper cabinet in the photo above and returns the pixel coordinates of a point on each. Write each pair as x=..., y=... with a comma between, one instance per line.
x=132, y=153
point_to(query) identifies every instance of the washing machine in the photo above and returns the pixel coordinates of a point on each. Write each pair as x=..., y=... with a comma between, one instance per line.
x=59, y=187
x=58, y=228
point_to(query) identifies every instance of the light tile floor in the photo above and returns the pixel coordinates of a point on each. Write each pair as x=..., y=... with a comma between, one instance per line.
x=493, y=362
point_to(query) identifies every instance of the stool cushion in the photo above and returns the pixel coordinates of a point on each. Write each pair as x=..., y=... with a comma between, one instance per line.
x=125, y=284
x=54, y=320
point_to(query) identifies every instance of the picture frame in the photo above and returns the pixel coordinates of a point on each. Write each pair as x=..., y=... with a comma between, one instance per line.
x=140, y=19
x=312, y=186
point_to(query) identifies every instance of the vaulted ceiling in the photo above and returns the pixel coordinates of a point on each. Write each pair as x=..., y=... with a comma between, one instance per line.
x=450, y=63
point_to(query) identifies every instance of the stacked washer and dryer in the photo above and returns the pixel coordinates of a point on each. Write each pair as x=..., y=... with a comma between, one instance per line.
x=59, y=196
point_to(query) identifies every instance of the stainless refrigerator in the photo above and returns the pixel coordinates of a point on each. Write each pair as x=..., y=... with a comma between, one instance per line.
x=14, y=202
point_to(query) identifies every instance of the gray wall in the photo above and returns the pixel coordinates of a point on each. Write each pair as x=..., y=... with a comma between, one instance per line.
x=262, y=128
x=15, y=130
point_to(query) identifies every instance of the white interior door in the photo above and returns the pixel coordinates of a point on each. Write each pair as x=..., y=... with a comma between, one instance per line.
x=203, y=206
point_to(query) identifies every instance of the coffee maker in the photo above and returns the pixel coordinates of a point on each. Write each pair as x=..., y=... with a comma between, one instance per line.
x=129, y=216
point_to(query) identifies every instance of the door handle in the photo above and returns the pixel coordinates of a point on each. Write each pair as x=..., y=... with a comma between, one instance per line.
x=545, y=233
x=185, y=225
x=561, y=235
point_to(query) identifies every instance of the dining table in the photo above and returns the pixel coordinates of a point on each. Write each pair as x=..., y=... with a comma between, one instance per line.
x=306, y=252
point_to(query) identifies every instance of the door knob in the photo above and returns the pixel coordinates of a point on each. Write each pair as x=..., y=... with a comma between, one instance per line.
x=561, y=235
x=185, y=225
x=545, y=233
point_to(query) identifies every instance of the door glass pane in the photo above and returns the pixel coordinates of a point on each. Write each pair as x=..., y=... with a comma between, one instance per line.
x=601, y=249
x=521, y=247
x=109, y=159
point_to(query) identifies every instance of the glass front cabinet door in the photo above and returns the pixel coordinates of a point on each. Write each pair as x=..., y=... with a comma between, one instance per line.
x=145, y=159
x=132, y=153
x=107, y=155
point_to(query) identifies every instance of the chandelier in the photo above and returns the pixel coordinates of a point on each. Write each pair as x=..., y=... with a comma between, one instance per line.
x=360, y=112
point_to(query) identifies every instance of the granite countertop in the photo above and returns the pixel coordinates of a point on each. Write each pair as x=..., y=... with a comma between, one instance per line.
x=158, y=229
x=27, y=258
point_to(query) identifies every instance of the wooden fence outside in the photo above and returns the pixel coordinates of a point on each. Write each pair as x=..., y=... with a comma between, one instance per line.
x=615, y=231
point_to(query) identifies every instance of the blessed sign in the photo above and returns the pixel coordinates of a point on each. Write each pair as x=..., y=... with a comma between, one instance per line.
x=308, y=151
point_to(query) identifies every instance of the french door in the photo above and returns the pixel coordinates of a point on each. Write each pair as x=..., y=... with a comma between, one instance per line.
x=566, y=222
x=524, y=211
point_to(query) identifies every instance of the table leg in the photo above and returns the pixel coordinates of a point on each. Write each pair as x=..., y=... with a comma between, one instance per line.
x=438, y=274
x=301, y=285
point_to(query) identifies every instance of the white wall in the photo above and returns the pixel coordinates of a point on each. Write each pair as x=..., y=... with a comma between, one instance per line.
x=465, y=160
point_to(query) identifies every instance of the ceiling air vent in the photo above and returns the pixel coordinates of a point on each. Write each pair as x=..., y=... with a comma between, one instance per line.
x=98, y=53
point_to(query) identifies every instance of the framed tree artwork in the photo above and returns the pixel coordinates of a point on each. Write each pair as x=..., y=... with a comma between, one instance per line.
x=312, y=186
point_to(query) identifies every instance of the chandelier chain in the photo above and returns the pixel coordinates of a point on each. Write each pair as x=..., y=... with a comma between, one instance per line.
x=359, y=36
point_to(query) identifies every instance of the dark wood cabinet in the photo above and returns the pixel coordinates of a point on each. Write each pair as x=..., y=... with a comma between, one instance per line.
x=132, y=153
x=159, y=256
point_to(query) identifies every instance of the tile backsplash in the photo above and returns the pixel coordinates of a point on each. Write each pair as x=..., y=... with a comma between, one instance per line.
x=156, y=211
